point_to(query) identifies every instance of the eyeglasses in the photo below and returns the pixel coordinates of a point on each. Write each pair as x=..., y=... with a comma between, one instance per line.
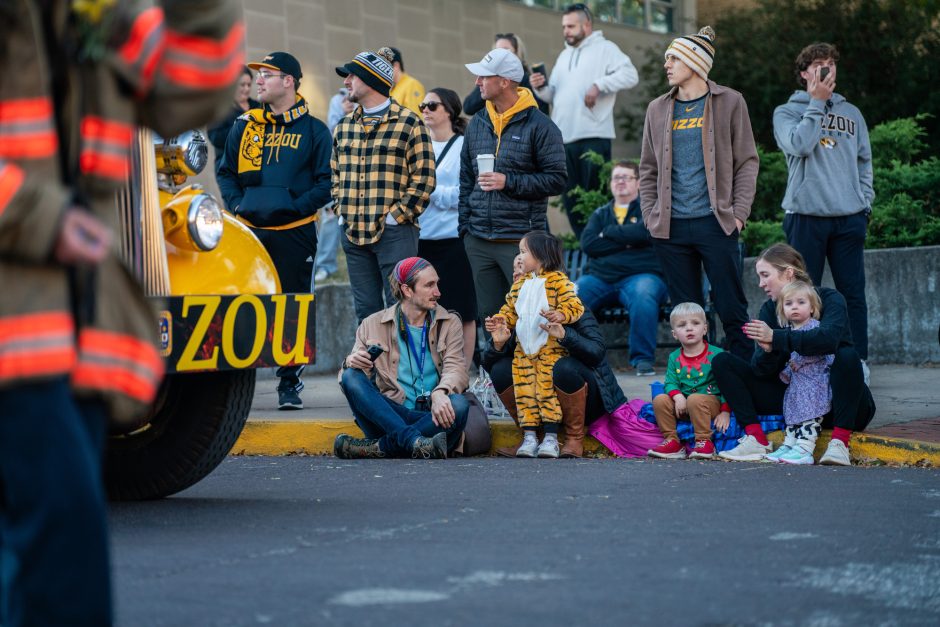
x=429, y=105
x=623, y=178
x=266, y=75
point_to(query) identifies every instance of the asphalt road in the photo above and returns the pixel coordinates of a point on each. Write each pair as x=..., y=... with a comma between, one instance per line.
x=316, y=541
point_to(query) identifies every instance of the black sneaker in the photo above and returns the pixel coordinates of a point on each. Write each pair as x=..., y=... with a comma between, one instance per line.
x=644, y=369
x=288, y=394
x=347, y=447
x=430, y=448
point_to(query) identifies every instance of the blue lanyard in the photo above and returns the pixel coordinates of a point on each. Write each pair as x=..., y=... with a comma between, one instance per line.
x=424, y=353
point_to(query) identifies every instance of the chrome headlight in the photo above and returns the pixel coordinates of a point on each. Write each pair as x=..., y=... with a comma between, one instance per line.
x=205, y=221
x=187, y=153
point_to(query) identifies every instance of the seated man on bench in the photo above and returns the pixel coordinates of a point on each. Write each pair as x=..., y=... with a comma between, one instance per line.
x=622, y=266
x=406, y=373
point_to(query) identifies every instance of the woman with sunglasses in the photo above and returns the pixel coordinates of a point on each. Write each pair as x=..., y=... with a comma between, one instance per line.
x=440, y=109
x=474, y=102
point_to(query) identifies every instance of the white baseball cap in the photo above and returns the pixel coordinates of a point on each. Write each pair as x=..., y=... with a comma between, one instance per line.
x=499, y=62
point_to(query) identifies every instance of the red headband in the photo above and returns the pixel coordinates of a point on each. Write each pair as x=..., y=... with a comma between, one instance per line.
x=406, y=269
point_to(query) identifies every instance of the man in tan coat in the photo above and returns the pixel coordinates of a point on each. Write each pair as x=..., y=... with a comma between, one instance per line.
x=414, y=352
x=698, y=175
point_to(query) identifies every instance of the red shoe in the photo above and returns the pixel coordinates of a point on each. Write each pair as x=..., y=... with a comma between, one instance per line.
x=704, y=449
x=669, y=449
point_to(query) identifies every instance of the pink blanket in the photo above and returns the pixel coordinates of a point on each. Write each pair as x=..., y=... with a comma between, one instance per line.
x=625, y=433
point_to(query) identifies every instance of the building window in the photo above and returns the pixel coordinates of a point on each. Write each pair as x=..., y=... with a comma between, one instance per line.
x=656, y=15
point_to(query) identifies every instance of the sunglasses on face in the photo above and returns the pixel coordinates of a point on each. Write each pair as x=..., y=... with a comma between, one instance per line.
x=428, y=105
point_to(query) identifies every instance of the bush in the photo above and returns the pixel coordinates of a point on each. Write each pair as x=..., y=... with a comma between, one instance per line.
x=902, y=221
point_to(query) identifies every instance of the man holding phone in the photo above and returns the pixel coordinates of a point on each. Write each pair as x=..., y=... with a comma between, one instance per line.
x=830, y=184
x=405, y=376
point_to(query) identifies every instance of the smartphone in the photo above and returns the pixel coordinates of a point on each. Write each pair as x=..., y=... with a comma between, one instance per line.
x=823, y=72
x=538, y=68
x=374, y=351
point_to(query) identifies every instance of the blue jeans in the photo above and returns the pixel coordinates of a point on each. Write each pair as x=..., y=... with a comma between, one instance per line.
x=395, y=426
x=327, y=242
x=53, y=518
x=642, y=295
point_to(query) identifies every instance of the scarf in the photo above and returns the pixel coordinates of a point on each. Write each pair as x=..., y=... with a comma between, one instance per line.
x=251, y=147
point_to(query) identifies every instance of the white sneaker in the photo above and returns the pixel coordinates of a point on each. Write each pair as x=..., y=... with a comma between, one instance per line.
x=322, y=274
x=548, y=449
x=747, y=450
x=837, y=454
x=528, y=448
x=866, y=373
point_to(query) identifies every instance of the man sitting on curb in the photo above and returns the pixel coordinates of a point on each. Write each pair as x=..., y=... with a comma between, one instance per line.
x=407, y=397
x=622, y=265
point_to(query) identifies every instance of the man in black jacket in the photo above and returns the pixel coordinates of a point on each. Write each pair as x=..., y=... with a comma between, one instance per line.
x=275, y=175
x=498, y=207
x=623, y=266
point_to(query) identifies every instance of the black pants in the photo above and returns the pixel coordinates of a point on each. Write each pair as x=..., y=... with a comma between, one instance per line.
x=569, y=375
x=749, y=395
x=842, y=241
x=699, y=241
x=582, y=172
x=292, y=252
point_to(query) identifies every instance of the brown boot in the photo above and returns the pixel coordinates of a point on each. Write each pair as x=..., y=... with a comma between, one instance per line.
x=572, y=417
x=509, y=402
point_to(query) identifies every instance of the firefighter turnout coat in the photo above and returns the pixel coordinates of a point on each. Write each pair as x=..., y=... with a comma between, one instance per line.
x=76, y=78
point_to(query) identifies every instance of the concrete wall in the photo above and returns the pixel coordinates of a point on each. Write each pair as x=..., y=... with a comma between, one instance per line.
x=903, y=311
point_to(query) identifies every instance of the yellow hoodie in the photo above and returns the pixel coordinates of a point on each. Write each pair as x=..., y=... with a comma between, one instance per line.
x=500, y=120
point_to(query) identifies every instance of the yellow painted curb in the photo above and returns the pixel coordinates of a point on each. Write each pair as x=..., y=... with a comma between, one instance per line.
x=315, y=437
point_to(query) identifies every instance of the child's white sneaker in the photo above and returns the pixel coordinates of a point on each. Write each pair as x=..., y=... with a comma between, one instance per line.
x=837, y=454
x=747, y=450
x=528, y=448
x=548, y=449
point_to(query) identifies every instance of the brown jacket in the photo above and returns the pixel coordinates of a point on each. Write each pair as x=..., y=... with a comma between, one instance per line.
x=75, y=86
x=446, y=344
x=731, y=161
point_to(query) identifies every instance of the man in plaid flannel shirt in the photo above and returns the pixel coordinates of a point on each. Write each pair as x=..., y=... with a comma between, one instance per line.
x=383, y=176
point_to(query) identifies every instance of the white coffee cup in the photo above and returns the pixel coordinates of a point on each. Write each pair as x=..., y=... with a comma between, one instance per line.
x=485, y=163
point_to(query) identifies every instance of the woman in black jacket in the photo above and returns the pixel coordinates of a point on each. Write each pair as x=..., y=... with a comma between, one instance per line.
x=755, y=388
x=584, y=382
x=218, y=133
x=474, y=102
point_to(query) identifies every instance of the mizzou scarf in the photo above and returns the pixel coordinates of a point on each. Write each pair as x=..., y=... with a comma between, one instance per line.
x=251, y=148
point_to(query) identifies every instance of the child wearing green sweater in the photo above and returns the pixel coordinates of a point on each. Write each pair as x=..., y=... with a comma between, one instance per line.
x=690, y=389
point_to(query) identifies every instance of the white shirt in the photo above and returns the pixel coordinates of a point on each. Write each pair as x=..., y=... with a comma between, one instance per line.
x=439, y=220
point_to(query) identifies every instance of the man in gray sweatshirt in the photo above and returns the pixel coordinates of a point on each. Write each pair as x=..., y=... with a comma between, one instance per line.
x=829, y=187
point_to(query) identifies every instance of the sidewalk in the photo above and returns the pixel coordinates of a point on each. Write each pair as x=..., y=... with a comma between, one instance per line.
x=906, y=428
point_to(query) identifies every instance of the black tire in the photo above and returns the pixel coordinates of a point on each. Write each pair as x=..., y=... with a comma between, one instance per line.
x=197, y=419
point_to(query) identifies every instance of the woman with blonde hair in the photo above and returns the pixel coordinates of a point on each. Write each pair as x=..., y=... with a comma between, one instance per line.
x=755, y=388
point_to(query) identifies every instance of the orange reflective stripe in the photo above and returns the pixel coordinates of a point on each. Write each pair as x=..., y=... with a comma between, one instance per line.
x=26, y=129
x=194, y=61
x=118, y=363
x=105, y=148
x=11, y=178
x=36, y=345
x=142, y=49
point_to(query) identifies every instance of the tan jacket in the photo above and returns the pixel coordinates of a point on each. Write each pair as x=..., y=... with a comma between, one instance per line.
x=446, y=344
x=731, y=161
x=168, y=65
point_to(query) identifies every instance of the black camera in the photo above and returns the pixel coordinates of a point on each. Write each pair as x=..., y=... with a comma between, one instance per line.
x=374, y=351
x=423, y=403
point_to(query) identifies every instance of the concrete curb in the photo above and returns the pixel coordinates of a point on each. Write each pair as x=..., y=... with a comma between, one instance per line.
x=315, y=437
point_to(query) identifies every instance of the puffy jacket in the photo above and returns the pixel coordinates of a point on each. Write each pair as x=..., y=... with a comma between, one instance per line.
x=73, y=91
x=294, y=179
x=531, y=155
x=584, y=342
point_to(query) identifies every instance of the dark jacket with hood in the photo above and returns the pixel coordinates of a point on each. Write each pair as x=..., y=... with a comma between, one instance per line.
x=529, y=151
x=293, y=180
x=583, y=341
